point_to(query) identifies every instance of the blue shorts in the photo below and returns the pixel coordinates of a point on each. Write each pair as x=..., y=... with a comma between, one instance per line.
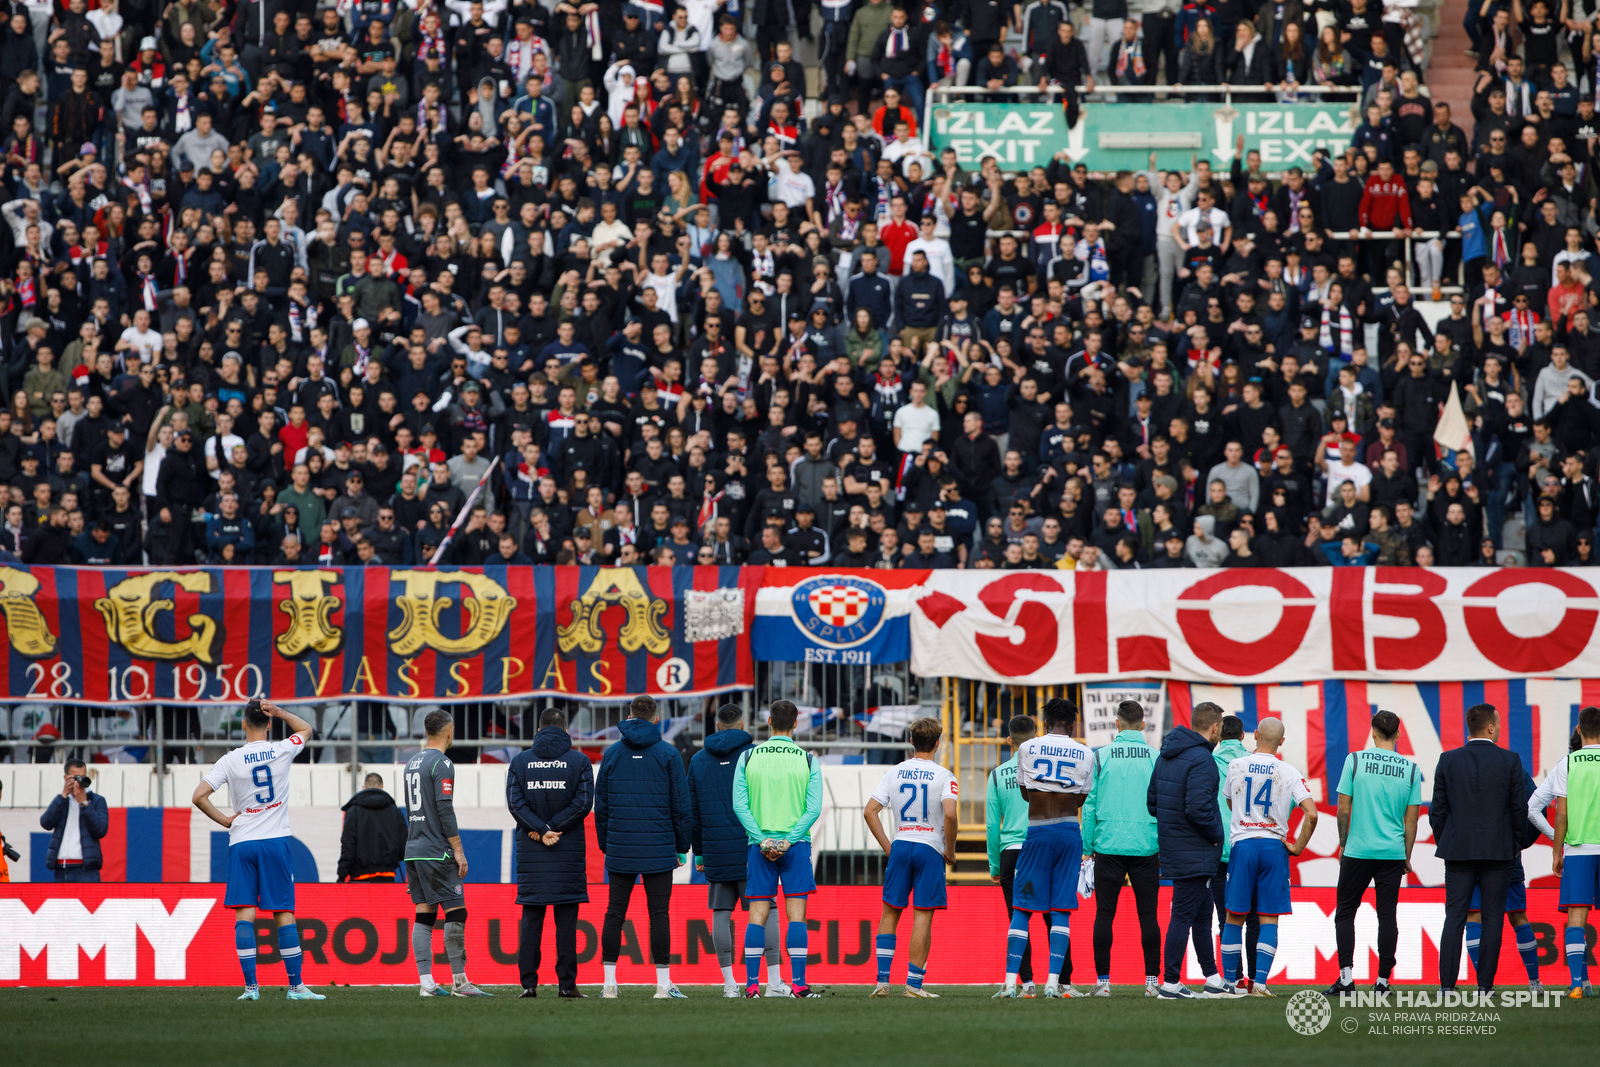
x=915, y=873
x=793, y=870
x=260, y=875
x=1516, y=897
x=1580, y=882
x=1258, y=867
x=1048, y=869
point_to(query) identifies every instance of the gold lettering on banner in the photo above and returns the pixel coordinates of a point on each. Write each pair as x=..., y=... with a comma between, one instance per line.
x=487, y=611
x=310, y=613
x=618, y=586
x=130, y=608
x=364, y=674
x=506, y=673
x=25, y=625
x=553, y=672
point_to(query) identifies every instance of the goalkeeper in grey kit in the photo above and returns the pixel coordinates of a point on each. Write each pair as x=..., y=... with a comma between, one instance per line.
x=435, y=863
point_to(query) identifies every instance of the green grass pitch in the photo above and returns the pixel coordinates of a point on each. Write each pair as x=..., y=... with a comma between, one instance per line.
x=393, y=1026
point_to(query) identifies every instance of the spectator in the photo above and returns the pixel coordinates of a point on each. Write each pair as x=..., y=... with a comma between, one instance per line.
x=372, y=844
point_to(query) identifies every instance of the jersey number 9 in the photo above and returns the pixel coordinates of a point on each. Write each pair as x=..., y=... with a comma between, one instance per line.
x=262, y=776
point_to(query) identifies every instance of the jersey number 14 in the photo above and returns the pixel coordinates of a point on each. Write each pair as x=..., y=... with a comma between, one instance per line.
x=1263, y=797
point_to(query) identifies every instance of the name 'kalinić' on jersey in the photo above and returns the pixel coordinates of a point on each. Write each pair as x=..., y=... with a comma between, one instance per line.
x=1264, y=791
x=1055, y=763
x=257, y=778
x=914, y=792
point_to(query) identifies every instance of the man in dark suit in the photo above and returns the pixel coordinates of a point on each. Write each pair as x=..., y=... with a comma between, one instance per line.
x=1479, y=817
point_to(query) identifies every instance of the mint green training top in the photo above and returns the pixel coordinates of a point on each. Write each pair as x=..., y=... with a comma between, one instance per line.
x=1116, y=818
x=777, y=791
x=1005, y=813
x=1225, y=753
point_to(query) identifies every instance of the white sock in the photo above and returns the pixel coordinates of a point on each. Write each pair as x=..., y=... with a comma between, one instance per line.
x=664, y=977
x=727, y=974
x=428, y=982
x=611, y=973
x=1344, y=974
x=1011, y=981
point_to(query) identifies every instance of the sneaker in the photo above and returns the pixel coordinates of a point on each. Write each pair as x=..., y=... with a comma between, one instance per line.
x=804, y=992
x=1381, y=985
x=752, y=992
x=1339, y=987
x=1220, y=989
x=780, y=988
x=1259, y=989
x=1175, y=991
x=302, y=992
x=730, y=991
x=251, y=993
x=1245, y=984
x=1069, y=990
x=467, y=989
x=1101, y=989
x=918, y=993
x=1152, y=987
x=1536, y=987
x=1051, y=992
x=528, y=994
x=672, y=992
x=434, y=991
x=1579, y=992
x=1027, y=990
x=608, y=992
x=1000, y=994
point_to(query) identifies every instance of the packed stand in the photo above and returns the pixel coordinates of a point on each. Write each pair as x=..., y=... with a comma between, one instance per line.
x=284, y=283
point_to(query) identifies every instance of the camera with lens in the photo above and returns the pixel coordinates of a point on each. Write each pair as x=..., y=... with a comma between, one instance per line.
x=83, y=780
x=11, y=853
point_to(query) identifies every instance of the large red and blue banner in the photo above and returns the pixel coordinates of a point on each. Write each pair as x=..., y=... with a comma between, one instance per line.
x=420, y=634
x=423, y=634
x=360, y=935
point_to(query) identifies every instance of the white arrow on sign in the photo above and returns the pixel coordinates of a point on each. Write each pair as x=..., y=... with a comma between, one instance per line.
x=1075, y=147
x=1224, y=124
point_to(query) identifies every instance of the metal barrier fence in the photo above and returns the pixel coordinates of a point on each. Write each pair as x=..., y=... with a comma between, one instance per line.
x=835, y=701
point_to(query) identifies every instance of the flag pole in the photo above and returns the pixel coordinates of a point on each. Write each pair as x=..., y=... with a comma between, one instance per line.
x=466, y=509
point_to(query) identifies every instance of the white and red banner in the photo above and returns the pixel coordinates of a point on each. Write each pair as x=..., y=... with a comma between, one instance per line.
x=360, y=935
x=1403, y=624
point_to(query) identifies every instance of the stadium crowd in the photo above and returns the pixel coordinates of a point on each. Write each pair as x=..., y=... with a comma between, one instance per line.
x=282, y=282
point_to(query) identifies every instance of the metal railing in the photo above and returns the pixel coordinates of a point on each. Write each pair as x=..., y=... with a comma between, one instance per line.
x=837, y=705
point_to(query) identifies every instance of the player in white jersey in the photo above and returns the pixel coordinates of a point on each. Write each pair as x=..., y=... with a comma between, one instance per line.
x=1262, y=791
x=1055, y=772
x=922, y=797
x=260, y=866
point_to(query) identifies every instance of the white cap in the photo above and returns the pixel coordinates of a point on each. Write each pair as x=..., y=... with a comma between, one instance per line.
x=147, y=45
x=360, y=324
